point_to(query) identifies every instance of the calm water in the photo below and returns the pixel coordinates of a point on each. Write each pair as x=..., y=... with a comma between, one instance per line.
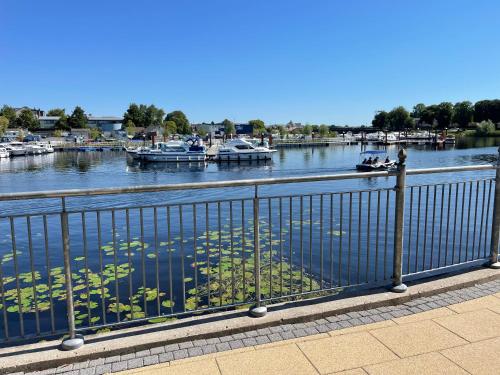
x=337, y=243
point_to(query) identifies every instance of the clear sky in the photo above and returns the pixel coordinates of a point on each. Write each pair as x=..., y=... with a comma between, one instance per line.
x=316, y=61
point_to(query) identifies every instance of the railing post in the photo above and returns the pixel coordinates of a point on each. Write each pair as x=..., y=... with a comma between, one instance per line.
x=397, y=276
x=495, y=226
x=257, y=310
x=72, y=342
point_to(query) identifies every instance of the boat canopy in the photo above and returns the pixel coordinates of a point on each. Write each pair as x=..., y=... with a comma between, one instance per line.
x=373, y=152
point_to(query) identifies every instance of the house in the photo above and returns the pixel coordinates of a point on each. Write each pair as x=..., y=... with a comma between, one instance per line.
x=36, y=111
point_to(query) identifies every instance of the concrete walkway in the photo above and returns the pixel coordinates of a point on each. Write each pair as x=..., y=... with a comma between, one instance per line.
x=461, y=338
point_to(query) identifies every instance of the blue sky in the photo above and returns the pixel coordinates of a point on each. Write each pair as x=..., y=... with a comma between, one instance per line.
x=322, y=61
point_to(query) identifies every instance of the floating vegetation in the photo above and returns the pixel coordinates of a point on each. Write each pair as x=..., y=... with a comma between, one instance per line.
x=217, y=270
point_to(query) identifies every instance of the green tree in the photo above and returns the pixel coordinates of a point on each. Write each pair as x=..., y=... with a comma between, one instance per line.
x=487, y=110
x=429, y=114
x=228, y=127
x=485, y=128
x=135, y=114
x=257, y=126
x=418, y=110
x=56, y=112
x=323, y=130
x=180, y=120
x=10, y=113
x=202, y=133
x=463, y=113
x=62, y=123
x=380, y=120
x=307, y=130
x=4, y=124
x=130, y=127
x=27, y=120
x=444, y=114
x=282, y=131
x=153, y=116
x=78, y=119
x=398, y=119
x=95, y=133
x=169, y=128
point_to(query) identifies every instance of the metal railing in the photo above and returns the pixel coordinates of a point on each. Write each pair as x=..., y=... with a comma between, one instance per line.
x=74, y=269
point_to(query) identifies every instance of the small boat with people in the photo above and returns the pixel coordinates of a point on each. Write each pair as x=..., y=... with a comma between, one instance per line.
x=374, y=160
x=191, y=149
x=243, y=150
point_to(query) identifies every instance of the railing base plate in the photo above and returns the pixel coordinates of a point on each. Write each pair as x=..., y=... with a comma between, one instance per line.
x=258, y=311
x=72, y=344
x=495, y=265
x=401, y=288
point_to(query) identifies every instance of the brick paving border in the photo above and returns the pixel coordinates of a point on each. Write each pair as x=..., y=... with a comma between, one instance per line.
x=195, y=348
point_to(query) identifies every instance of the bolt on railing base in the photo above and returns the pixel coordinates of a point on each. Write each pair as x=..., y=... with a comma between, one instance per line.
x=258, y=311
x=401, y=288
x=72, y=344
x=495, y=265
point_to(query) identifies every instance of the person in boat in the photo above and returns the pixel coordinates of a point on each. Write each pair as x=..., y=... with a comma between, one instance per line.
x=369, y=161
x=364, y=161
x=375, y=161
x=387, y=160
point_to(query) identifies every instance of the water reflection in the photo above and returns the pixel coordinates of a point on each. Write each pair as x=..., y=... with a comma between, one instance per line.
x=139, y=166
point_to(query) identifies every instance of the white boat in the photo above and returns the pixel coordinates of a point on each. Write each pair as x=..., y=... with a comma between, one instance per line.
x=240, y=150
x=388, y=139
x=34, y=149
x=46, y=148
x=175, y=151
x=374, y=160
x=4, y=153
x=16, y=148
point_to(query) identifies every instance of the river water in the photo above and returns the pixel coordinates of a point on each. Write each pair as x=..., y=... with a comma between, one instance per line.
x=326, y=239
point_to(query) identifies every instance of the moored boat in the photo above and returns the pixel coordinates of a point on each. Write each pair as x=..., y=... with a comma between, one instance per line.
x=192, y=149
x=16, y=149
x=4, y=153
x=243, y=150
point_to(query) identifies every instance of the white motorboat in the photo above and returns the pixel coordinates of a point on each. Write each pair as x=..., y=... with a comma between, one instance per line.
x=175, y=151
x=4, y=153
x=34, y=149
x=240, y=150
x=46, y=147
x=373, y=160
x=16, y=148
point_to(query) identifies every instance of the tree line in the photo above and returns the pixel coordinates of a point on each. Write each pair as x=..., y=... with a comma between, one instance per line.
x=439, y=116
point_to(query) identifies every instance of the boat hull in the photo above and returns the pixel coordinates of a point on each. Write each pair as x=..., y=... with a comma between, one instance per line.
x=374, y=167
x=250, y=156
x=174, y=158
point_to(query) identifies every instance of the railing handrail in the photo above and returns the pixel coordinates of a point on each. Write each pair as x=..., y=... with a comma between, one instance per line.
x=224, y=184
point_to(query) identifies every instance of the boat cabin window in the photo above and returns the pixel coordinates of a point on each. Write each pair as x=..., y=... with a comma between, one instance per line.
x=244, y=147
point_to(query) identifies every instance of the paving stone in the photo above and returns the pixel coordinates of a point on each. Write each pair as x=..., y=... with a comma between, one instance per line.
x=158, y=350
x=236, y=344
x=226, y=338
x=96, y=362
x=250, y=341
x=323, y=328
x=345, y=324
x=165, y=357
x=354, y=314
x=195, y=351
x=135, y=363
x=199, y=342
x=333, y=326
x=171, y=347
x=103, y=369
x=311, y=331
x=151, y=360
x=143, y=353
x=262, y=340
x=222, y=346
x=355, y=322
x=213, y=340
x=251, y=334
x=207, y=349
x=239, y=336
x=87, y=371
x=126, y=357
x=80, y=365
x=365, y=320
x=264, y=331
x=300, y=333
x=115, y=358
x=64, y=368
x=185, y=345
x=180, y=354
x=119, y=366
x=273, y=337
